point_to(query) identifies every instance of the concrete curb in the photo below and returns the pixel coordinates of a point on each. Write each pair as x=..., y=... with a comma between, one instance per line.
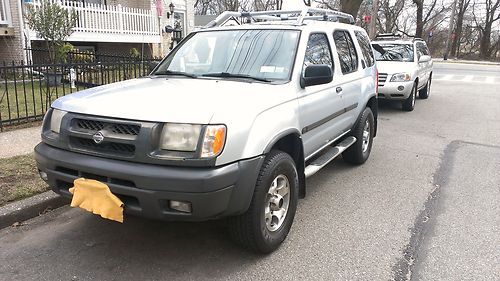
x=30, y=207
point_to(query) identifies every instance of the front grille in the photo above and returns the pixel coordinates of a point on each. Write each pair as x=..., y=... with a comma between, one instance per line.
x=105, y=147
x=382, y=77
x=85, y=125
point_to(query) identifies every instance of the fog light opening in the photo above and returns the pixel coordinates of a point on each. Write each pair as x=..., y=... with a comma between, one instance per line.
x=400, y=88
x=43, y=175
x=180, y=206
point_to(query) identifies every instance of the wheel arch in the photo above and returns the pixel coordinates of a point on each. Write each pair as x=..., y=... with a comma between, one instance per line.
x=290, y=141
x=372, y=103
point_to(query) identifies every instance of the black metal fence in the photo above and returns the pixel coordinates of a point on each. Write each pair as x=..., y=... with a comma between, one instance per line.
x=27, y=89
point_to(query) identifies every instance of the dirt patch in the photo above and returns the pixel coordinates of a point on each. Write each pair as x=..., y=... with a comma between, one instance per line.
x=19, y=179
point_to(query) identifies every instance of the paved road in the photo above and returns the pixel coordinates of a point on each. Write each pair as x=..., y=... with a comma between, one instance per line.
x=425, y=206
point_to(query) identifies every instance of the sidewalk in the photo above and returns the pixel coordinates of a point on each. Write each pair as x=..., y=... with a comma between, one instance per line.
x=19, y=142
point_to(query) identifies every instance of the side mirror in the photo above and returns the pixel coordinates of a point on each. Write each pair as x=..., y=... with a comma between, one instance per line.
x=424, y=58
x=316, y=74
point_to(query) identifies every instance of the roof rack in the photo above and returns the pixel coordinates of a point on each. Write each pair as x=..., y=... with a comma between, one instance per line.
x=281, y=15
x=396, y=36
x=388, y=36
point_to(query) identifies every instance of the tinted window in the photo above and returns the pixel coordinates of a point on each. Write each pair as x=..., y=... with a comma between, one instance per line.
x=393, y=52
x=366, y=48
x=318, y=50
x=346, y=51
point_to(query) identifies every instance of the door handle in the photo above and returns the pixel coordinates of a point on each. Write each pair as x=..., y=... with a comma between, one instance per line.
x=338, y=90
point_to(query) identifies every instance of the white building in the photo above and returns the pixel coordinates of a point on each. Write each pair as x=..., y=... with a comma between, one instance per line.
x=104, y=26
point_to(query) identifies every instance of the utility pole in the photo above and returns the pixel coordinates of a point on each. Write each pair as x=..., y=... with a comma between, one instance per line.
x=450, y=30
x=373, y=20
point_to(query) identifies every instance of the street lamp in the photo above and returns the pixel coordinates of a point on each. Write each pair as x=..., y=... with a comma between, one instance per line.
x=171, y=8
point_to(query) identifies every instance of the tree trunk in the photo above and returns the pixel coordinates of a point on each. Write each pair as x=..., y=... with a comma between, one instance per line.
x=484, y=47
x=350, y=7
x=420, y=23
x=455, y=44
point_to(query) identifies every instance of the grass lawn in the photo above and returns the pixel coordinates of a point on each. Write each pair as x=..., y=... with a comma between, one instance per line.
x=19, y=179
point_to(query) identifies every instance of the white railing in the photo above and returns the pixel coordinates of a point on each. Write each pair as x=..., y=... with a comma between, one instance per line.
x=109, y=20
x=5, y=12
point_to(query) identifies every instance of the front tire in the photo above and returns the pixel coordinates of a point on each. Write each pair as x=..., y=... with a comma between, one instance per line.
x=409, y=103
x=359, y=152
x=425, y=92
x=266, y=223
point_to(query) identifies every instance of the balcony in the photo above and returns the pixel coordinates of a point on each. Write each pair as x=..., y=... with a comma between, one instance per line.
x=5, y=13
x=109, y=23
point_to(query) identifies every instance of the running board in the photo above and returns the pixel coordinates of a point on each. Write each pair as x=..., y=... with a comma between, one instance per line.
x=331, y=152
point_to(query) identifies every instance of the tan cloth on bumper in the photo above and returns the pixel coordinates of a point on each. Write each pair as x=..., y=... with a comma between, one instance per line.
x=96, y=197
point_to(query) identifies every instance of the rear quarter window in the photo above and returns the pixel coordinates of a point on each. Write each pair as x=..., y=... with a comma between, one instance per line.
x=366, y=47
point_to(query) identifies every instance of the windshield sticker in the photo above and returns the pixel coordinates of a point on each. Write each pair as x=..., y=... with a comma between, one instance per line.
x=268, y=69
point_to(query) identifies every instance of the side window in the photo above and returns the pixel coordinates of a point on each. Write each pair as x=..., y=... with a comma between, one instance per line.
x=318, y=50
x=346, y=51
x=422, y=49
x=352, y=51
x=366, y=48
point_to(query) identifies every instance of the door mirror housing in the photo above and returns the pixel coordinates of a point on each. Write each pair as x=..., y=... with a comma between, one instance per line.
x=316, y=74
x=424, y=58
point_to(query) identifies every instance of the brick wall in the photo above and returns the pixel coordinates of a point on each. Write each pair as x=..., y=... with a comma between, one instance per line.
x=11, y=48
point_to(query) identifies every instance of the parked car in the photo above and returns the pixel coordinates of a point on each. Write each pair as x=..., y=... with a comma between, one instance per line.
x=229, y=124
x=405, y=68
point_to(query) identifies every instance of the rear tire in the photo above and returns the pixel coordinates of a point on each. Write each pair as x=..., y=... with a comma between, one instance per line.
x=425, y=92
x=409, y=103
x=266, y=223
x=359, y=152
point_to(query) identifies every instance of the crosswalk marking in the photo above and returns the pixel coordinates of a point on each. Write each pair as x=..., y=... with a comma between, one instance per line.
x=467, y=78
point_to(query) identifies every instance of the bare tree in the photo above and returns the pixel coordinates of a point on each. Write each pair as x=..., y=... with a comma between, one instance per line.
x=389, y=14
x=261, y=5
x=430, y=13
x=350, y=6
x=492, y=14
x=455, y=44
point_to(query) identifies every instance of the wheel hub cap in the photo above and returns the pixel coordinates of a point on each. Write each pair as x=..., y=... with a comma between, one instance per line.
x=366, y=136
x=277, y=202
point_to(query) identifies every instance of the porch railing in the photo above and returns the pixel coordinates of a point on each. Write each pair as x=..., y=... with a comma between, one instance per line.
x=4, y=12
x=111, y=19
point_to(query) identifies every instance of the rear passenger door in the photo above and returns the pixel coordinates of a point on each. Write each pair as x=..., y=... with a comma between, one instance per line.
x=349, y=77
x=320, y=107
x=423, y=67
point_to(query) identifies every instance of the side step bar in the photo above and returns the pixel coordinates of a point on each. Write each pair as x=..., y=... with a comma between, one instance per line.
x=330, y=153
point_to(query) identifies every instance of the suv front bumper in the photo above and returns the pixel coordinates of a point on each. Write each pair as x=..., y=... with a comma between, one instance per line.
x=390, y=90
x=146, y=189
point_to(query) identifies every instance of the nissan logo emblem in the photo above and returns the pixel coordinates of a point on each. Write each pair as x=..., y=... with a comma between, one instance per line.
x=98, y=137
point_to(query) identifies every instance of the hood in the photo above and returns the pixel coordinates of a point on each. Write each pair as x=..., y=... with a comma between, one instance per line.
x=176, y=100
x=391, y=67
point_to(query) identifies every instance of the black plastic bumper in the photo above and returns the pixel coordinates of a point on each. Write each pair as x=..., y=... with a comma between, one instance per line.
x=147, y=189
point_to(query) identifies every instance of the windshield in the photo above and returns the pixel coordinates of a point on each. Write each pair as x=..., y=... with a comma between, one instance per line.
x=263, y=55
x=393, y=52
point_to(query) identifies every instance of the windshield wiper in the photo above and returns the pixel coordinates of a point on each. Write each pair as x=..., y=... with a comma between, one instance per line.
x=180, y=73
x=235, y=75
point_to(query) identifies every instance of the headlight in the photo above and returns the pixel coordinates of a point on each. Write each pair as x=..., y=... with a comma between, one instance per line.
x=400, y=77
x=55, y=120
x=213, y=141
x=180, y=137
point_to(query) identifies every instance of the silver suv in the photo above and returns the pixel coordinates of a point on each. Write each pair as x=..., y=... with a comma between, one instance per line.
x=229, y=124
x=405, y=68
